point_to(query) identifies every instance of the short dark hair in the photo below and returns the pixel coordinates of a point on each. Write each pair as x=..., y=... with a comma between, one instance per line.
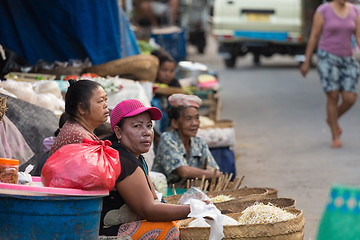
x=163, y=56
x=79, y=92
x=175, y=112
x=120, y=124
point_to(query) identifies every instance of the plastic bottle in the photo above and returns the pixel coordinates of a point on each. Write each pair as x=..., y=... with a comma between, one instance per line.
x=9, y=169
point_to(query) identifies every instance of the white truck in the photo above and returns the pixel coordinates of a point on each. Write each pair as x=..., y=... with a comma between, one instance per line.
x=261, y=27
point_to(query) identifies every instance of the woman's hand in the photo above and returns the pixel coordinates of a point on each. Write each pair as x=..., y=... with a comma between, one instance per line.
x=206, y=201
x=145, y=206
x=304, y=68
x=317, y=26
x=194, y=172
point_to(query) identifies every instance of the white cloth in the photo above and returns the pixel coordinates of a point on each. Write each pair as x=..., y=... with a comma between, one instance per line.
x=119, y=89
x=199, y=209
x=13, y=144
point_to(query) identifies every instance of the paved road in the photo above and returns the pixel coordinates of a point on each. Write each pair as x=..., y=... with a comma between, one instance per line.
x=282, y=140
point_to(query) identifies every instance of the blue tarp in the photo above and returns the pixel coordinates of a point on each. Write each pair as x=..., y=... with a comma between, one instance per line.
x=225, y=158
x=59, y=30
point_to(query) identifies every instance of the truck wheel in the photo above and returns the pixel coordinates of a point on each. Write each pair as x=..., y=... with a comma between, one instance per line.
x=201, y=49
x=230, y=62
x=256, y=59
x=199, y=40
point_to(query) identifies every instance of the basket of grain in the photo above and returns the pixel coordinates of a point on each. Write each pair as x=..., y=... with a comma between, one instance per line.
x=227, y=195
x=237, y=206
x=257, y=222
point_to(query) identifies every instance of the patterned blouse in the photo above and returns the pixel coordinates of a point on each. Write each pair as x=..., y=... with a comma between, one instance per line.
x=71, y=132
x=171, y=154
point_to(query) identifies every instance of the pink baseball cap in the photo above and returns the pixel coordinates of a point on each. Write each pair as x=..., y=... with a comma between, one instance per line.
x=130, y=108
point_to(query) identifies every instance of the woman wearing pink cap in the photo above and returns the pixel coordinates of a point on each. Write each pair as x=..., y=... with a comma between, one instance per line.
x=180, y=154
x=132, y=208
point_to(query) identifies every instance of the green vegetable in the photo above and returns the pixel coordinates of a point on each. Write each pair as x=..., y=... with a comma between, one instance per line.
x=145, y=47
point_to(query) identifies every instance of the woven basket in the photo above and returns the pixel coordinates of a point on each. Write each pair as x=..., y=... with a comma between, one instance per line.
x=169, y=90
x=137, y=67
x=242, y=193
x=272, y=192
x=2, y=107
x=240, y=205
x=287, y=230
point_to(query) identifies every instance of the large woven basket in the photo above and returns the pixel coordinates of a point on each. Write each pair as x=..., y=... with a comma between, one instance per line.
x=272, y=192
x=137, y=67
x=242, y=193
x=287, y=230
x=240, y=205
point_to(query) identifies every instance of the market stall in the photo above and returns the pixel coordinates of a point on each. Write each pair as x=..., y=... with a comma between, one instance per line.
x=226, y=192
x=35, y=100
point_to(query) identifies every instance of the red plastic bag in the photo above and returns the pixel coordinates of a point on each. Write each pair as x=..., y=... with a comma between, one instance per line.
x=91, y=165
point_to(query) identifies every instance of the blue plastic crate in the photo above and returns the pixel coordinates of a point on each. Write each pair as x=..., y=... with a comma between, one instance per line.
x=173, y=42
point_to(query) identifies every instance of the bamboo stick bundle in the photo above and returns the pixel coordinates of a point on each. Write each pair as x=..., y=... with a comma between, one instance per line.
x=202, y=183
x=236, y=183
x=213, y=181
x=206, y=185
x=215, y=184
x=223, y=183
x=241, y=181
x=173, y=189
x=232, y=183
x=227, y=181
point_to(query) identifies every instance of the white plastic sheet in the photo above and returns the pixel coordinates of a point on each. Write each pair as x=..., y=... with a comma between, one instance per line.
x=199, y=209
x=13, y=144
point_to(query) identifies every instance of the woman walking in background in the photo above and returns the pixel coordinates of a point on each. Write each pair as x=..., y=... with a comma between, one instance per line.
x=334, y=24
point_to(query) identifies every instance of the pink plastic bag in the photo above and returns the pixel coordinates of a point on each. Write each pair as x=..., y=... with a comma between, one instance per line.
x=91, y=165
